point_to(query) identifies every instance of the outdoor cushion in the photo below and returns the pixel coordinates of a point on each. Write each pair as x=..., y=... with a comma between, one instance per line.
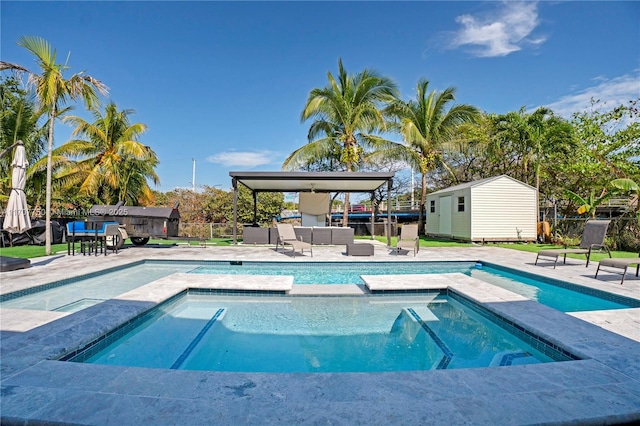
x=360, y=249
x=13, y=263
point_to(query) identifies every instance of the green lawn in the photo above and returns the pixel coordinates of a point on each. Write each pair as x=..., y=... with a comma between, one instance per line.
x=26, y=252
x=37, y=251
x=424, y=242
x=595, y=256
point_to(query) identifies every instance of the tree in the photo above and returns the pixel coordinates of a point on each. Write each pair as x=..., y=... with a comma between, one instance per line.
x=608, y=149
x=523, y=143
x=628, y=185
x=19, y=120
x=269, y=205
x=347, y=116
x=429, y=129
x=590, y=204
x=53, y=91
x=113, y=165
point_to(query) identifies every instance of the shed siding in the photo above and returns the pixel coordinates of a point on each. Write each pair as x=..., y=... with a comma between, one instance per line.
x=498, y=209
x=501, y=208
x=461, y=221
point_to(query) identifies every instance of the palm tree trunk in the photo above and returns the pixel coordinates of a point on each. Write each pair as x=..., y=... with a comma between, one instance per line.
x=345, y=214
x=47, y=208
x=6, y=151
x=423, y=200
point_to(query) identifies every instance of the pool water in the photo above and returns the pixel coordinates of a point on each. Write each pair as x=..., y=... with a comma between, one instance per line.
x=555, y=296
x=561, y=298
x=81, y=293
x=333, y=272
x=78, y=295
x=315, y=334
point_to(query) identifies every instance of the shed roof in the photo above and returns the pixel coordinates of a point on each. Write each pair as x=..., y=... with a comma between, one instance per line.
x=312, y=181
x=478, y=183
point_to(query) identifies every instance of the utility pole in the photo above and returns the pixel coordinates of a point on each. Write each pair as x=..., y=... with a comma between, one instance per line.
x=412, y=189
x=193, y=179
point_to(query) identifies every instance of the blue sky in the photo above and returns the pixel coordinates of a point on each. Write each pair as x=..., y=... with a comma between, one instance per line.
x=224, y=83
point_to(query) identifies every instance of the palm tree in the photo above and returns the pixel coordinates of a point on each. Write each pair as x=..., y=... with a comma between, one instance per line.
x=429, y=129
x=19, y=120
x=53, y=91
x=346, y=116
x=532, y=138
x=112, y=164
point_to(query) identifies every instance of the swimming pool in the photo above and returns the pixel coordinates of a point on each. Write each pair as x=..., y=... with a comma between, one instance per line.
x=426, y=331
x=78, y=293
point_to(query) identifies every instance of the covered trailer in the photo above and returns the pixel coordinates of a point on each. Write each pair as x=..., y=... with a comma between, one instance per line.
x=140, y=223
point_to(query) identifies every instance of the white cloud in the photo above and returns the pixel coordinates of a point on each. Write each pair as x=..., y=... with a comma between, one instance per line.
x=610, y=92
x=247, y=159
x=500, y=33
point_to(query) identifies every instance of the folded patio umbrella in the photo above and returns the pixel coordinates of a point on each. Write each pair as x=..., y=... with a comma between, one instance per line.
x=16, y=218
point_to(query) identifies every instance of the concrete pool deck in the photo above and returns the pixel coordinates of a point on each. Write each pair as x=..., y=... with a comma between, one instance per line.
x=601, y=388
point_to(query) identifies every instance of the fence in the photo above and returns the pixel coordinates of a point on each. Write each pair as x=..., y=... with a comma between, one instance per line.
x=225, y=230
x=623, y=232
x=206, y=230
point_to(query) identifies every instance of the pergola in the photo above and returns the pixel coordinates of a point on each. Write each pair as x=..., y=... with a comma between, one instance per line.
x=311, y=182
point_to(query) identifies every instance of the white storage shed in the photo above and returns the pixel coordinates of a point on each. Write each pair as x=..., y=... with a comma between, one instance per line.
x=499, y=208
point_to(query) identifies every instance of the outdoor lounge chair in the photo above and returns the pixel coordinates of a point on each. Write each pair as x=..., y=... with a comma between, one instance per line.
x=408, y=239
x=592, y=238
x=620, y=263
x=287, y=236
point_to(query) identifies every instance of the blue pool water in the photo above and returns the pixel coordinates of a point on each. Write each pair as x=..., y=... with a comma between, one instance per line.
x=77, y=294
x=315, y=334
x=333, y=272
x=81, y=292
x=558, y=295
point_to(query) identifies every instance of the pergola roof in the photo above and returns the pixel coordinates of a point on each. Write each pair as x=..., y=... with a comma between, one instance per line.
x=312, y=181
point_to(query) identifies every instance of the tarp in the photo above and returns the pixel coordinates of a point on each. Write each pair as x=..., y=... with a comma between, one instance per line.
x=36, y=235
x=38, y=232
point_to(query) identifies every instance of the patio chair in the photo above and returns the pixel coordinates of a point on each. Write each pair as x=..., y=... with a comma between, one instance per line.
x=408, y=239
x=620, y=263
x=593, y=237
x=78, y=232
x=287, y=236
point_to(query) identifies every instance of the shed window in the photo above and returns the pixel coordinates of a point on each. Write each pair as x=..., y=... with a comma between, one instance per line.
x=432, y=206
x=460, y=204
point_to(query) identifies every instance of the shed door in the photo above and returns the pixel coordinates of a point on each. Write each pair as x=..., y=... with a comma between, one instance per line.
x=445, y=215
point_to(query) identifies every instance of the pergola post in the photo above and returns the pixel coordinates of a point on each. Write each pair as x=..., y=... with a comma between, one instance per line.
x=373, y=217
x=234, y=183
x=255, y=208
x=389, y=185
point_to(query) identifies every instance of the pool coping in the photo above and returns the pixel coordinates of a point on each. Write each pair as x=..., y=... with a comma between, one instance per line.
x=602, y=387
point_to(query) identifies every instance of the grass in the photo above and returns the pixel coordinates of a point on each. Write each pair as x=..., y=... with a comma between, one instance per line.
x=425, y=242
x=596, y=256
x=27, y=252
